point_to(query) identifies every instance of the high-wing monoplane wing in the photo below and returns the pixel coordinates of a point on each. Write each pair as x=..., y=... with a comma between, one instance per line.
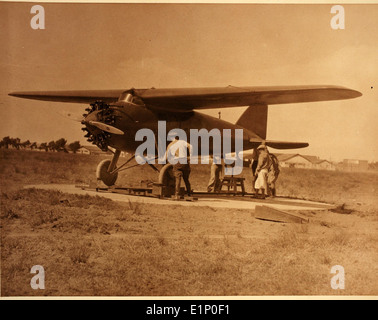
x=188, y=99
x=207, y=98
x=73, y=96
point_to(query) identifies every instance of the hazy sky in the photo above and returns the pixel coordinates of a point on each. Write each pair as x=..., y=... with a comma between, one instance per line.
x=119, y=46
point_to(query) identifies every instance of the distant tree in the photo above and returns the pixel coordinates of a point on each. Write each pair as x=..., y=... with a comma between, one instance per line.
x=74, y=146
x=43, y=146
x=60, y=145
x=15, y=142
x=6, y=142
x=25, y=144
x=33, y=145
x=51, y=146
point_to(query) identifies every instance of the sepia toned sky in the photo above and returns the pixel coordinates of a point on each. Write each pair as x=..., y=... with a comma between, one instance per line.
x=119, y=46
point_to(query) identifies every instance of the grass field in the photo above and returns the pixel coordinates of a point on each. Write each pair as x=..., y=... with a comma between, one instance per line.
x=92, y=246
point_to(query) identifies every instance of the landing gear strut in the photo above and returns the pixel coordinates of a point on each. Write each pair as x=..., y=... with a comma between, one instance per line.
x=105, y=170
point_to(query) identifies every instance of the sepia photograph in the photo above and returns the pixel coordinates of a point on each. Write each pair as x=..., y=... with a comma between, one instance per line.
x=189, y=150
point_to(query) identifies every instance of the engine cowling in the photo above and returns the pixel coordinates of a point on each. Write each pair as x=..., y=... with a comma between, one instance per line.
x=98, y=116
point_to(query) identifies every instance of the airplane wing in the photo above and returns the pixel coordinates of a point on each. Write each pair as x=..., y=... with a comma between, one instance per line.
x=73, y=96
x=208, y=98
x=188, y=99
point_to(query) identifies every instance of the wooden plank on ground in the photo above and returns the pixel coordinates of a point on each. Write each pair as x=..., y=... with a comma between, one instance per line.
x=272, y=214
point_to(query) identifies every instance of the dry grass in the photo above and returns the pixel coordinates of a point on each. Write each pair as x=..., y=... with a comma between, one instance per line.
x=93, y=246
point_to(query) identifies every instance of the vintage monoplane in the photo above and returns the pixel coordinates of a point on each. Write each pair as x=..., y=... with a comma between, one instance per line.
x=115, y=116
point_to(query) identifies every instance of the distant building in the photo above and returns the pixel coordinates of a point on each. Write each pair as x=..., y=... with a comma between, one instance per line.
x=304, y=162
x=354, y=165
x=83, y=150
x=325, y=165
x=90, y=150
x=294, y=161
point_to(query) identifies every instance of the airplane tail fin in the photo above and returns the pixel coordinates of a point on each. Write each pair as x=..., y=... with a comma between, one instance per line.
x=255, y=118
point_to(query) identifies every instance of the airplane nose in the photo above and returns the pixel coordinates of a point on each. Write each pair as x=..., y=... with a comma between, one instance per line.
x=104, y=123
x=100, y=124
x=93, y=132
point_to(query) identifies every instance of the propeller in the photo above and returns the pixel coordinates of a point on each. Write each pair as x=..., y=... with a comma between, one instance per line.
x=106, y=120
x=106, y=127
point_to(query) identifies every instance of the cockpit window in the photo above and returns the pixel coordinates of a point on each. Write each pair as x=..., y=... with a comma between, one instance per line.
x=129, y=98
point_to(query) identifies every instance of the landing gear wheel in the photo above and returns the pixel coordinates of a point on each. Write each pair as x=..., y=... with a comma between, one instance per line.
x=103, y=174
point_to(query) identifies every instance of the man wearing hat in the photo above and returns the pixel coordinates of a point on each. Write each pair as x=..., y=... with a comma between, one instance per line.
x=263, y=164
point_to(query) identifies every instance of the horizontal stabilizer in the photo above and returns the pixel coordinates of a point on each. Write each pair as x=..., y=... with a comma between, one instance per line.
x=280, y=144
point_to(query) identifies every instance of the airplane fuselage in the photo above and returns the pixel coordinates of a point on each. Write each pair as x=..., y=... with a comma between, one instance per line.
x=130, y=118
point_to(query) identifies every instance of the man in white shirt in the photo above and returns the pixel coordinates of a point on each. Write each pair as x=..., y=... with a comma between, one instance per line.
x=178, y=154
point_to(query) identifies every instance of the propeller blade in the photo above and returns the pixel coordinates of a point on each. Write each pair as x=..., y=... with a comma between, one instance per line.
x=106, y=127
